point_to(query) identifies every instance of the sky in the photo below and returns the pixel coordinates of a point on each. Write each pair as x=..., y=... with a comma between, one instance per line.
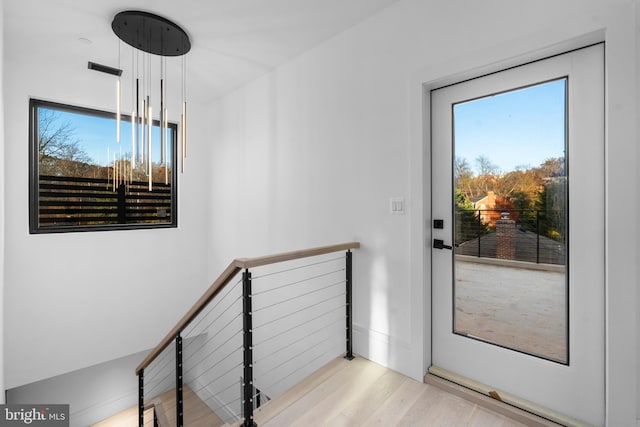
x=98, y=136
x=524, y=127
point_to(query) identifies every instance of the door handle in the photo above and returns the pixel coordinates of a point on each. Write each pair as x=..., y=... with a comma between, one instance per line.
x=439, y=244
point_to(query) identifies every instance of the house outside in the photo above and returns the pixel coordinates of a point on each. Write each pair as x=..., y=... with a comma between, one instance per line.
x=482, y=203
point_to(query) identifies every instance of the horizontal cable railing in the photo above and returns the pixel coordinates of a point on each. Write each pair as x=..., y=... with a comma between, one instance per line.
x=262, y=326
x=535, y=236
x=298, y=321
x=212, y=357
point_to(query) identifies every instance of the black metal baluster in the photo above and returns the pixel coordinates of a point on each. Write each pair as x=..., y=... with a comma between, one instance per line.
x=348, y=268
x=537, y=237
x=179, y=402
x=248, y=350
x=479, y=232
x=141, y=398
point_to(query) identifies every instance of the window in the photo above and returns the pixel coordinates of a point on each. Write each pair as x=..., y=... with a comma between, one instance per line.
x=82, y=179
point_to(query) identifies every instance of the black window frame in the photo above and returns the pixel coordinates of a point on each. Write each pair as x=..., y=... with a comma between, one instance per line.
x=34, y=176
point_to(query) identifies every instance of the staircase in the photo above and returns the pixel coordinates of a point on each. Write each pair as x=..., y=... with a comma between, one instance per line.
x=273, y=326
x=127, y=418
x=263, y=325
x=197, y=413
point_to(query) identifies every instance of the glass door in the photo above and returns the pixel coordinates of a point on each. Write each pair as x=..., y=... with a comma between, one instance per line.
x=518, y=209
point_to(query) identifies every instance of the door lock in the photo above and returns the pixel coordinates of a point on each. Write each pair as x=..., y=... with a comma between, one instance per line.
x=439, y=244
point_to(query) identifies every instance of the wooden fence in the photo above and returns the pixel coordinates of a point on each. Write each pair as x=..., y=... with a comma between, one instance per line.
x=65, y=201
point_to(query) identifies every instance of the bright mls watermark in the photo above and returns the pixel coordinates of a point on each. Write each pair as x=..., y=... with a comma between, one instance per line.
x=34, y=415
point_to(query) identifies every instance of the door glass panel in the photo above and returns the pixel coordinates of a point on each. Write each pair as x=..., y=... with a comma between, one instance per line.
x=510, y=233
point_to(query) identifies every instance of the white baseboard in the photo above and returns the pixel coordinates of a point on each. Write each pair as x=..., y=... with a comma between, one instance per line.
x=389, y=351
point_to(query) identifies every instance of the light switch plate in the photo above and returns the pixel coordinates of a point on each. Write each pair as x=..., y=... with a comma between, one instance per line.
x=397, y=205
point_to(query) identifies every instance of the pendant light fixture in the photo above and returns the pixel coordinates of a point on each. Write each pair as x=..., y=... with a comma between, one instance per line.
x=150, y=36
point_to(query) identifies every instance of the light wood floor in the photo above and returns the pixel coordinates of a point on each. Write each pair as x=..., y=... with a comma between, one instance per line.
x=354, y=393
x=363, y=393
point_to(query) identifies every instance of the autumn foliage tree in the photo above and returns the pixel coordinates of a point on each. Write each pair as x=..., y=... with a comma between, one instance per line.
x=533, y=196
x=519, y=187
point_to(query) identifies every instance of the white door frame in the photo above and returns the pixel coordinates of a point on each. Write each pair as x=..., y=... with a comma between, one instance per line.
x=576, y=388
x=617, y=31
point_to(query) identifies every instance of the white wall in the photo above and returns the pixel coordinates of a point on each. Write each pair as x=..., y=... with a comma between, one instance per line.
x=93, y=394
x=2, y=203
x=311, y=153
x=79, y=299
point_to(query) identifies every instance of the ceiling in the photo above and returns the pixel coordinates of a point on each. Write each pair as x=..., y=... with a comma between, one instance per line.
x=233, y=41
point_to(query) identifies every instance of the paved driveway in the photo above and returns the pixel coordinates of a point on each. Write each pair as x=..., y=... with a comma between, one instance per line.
x=515, y=307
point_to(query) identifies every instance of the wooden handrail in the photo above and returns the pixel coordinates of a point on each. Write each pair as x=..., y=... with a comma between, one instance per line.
x=226, y=276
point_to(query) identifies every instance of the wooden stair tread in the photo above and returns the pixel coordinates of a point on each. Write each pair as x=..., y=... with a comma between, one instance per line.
x=196, y=412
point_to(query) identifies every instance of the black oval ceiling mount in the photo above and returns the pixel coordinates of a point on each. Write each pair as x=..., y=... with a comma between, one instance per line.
x=151, y=33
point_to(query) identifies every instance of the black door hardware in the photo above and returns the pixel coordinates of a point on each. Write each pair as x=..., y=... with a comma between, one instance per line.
x=439, y=244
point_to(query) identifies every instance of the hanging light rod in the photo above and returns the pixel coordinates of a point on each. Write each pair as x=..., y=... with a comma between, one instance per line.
x=104, y=69
x=151, y=33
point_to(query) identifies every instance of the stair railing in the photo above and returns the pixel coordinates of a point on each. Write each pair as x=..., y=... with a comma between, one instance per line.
x=272, y=313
